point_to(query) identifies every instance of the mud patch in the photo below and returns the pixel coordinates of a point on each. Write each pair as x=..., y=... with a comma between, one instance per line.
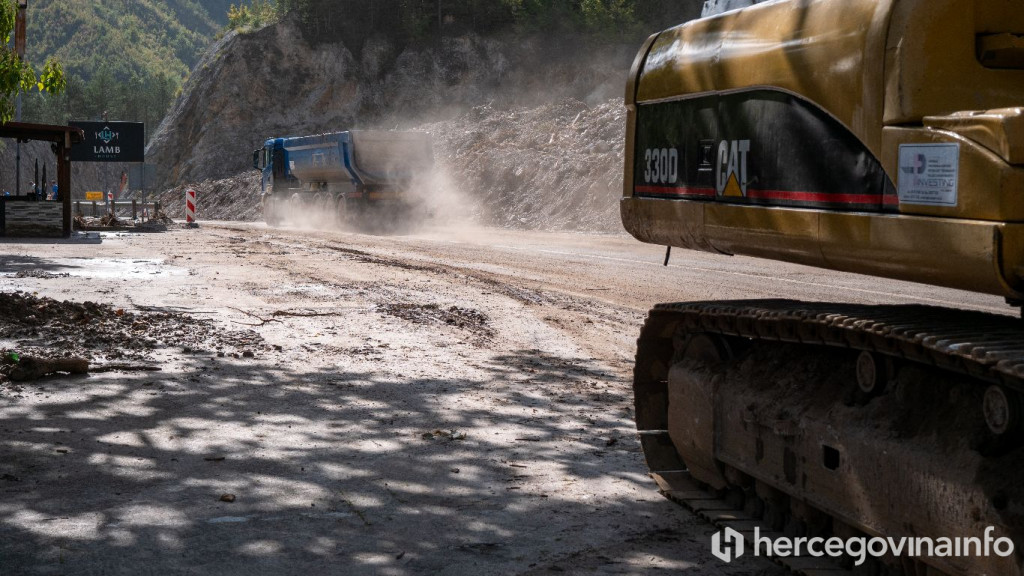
x=367, y=258
x=42, y=274
x=433, y=314
x=98, y=268
x=47, y=328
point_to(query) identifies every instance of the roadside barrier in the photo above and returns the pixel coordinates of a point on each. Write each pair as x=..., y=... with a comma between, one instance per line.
x=190, y=206
x=146, y=207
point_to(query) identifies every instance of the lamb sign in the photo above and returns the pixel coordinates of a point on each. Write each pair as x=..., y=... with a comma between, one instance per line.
x=111, y=142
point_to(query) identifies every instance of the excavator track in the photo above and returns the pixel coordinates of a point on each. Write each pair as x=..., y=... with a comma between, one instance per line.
x=813, y=419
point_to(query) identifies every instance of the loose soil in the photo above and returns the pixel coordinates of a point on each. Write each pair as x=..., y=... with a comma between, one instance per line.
x=453, y=401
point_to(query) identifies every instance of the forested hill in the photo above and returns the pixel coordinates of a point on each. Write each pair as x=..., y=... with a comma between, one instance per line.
x=128, y=36
x=125, y=57
x=355, y=20
x=129, y=58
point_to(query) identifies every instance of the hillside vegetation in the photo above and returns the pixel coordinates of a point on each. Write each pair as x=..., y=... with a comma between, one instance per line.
x=421, y=20
x=124, y=57
x=283, y=79
x=128, y=59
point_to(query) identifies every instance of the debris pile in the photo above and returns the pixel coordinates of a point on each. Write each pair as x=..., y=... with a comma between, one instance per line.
x=557, y=166
x=464, y=318
x=41, y=335
x=235, y=198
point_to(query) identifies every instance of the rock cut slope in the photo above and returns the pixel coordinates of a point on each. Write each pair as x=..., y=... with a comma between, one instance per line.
x=271, y=82
x=557, y=166
x=528, y=131
x=553, y=167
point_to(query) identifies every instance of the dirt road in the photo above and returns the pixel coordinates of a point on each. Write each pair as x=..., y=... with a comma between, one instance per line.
x=448, y=402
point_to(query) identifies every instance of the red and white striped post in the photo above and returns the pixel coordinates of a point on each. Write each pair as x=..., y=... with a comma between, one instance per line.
x=190, y=206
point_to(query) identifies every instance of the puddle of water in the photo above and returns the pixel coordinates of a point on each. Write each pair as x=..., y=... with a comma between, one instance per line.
x=108, y=268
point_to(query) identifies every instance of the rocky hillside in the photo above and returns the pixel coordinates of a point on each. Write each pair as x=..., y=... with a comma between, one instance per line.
x=272, y=83
x=528, y=130
x=556, y=166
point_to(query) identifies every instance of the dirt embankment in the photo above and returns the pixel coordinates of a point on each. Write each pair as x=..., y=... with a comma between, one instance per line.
x=556, y=166
x=234, y=198
x=528, y=131
x=273, y=83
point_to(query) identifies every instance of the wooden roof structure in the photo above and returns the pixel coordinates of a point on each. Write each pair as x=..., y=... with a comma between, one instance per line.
x=62, y=138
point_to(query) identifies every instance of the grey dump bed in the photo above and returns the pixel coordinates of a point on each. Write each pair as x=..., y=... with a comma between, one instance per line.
x=385, y=157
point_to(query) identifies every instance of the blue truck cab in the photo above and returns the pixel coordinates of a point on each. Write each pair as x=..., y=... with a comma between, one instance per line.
x=340, y=173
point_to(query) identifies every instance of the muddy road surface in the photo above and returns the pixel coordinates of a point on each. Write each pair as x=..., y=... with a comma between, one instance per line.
x=446, y=402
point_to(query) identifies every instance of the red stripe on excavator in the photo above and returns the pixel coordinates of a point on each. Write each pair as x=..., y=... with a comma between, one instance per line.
x=817, y=197
x=822, y=197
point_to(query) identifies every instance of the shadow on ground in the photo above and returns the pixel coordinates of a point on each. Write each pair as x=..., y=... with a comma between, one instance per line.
x=346, y=473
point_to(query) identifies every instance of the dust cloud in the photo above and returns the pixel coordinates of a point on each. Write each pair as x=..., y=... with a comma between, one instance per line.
x=546, y=154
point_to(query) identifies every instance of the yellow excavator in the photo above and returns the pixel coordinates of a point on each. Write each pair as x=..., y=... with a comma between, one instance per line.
x=880, y=137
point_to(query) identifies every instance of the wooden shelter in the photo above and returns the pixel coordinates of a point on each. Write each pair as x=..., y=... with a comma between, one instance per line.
x=62, y=139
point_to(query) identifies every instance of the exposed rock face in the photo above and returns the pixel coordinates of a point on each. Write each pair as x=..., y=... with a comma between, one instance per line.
x=528, y=131
x=553, y=167
x=273, y=83
x=245, y=88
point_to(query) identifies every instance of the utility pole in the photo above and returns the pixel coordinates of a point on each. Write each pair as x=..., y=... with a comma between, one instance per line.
x=19, y=49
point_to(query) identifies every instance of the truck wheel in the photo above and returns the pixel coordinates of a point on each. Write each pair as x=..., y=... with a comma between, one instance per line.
x=341, y=211
x=271, y=212
x=324, y=210
x=296, y=205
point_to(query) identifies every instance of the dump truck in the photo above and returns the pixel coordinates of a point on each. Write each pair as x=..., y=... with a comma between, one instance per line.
x=344, y=176
x=879, y=137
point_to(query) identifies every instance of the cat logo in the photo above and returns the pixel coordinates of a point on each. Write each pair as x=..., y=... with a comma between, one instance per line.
x=732, y=168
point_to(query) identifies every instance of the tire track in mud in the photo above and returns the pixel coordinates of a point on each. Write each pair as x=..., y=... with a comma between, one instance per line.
x=587, y=321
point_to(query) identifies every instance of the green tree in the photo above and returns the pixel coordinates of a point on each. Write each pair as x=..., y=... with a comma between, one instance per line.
x=419, y=20
x=100, y=95
x=248, y=17
x=607, y=16
x=17, y=75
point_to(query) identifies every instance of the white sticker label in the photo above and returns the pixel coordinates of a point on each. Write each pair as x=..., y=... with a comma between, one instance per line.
x=929, y=174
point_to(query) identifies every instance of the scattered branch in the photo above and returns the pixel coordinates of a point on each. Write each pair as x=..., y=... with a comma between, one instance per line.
x=124, y=368
x=290, y=314
x=33, y=368
x=263, y=321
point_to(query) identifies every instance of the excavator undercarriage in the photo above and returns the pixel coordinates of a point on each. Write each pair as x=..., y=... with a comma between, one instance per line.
x=822, y=420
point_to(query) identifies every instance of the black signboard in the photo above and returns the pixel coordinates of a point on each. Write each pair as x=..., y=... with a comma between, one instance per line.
x=110, y=142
